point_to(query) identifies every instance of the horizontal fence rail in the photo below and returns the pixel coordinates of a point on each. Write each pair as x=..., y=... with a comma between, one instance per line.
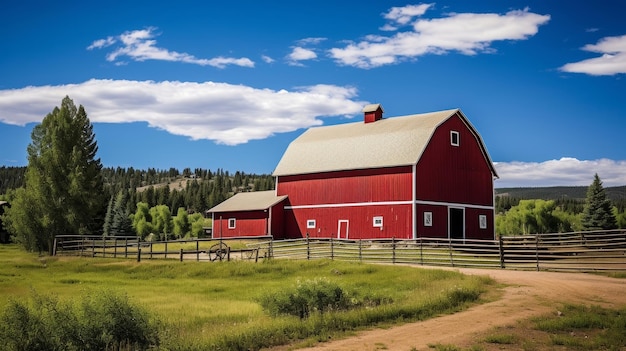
x=197, y=249
x=579, y=251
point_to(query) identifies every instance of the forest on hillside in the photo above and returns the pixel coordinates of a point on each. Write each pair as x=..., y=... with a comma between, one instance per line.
x=195, y=190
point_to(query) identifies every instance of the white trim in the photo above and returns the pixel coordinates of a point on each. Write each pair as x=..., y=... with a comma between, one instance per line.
x=462, y=224
x=347, y=222
x=386, y=203
x=458, y=138
x=377, y=221
x=482, y=221
x=428, y=218
x=454, y=204
x=234, y=223
x=350, y=204
x=311, y=224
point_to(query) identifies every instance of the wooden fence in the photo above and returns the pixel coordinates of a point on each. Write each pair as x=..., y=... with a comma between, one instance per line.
x=183, y=250
x=580, y=251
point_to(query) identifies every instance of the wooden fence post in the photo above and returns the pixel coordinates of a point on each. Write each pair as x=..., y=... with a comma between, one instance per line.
x=393, y=250
x=54, y=247
x=181, y=255
x=308, y=247
x=501, y=243
x=450, y=249
x=421, y=251
x=138, y=253
x=198, y=249
x=151, y=249
x=126, y=247
x=166, y=246
x=537, y=250
x=332, y=249
x=360, y=250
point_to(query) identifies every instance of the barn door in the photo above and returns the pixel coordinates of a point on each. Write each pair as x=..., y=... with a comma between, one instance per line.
x=456, y=223
x=342, y=229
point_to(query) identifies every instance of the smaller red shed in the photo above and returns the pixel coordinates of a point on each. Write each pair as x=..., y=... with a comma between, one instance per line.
x=255, y=213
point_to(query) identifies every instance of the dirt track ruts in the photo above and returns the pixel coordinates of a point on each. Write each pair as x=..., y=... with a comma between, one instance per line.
x=526, y=294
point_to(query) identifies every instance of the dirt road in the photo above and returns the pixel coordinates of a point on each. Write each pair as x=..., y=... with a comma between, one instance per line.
x=526, y=294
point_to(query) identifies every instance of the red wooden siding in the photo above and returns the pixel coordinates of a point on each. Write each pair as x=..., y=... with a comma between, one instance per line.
x=454, y=174
x=371, y=185
x=439, y=227
x=396, y=221
x=247, y=223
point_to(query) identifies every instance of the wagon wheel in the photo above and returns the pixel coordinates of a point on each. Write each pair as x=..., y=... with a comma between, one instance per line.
x=217, y=252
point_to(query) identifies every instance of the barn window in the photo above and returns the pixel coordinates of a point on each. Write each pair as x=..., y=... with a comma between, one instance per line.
x=454, y=138
x=428, y=219
x=231, y=223
x=482, y=221
x=310, y=223
x=377, y=221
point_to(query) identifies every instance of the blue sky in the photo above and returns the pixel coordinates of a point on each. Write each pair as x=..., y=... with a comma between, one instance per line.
x=229, y=84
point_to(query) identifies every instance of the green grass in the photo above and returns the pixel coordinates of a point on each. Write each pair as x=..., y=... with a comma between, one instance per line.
x=215, y=305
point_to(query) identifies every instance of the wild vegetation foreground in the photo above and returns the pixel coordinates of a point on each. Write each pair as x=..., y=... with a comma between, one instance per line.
x=225, y=305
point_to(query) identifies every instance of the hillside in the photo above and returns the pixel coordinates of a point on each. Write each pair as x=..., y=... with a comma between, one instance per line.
x=559, y=192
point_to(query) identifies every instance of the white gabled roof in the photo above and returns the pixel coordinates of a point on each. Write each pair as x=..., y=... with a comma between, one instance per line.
x=252, y=201
x=389, y=142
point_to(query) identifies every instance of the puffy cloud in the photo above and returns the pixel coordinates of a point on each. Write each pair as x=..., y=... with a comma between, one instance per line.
x=139, y=45
x=228, y=114
x=300, y=54
x=566, y=171
x=467, y=33
x=403, y=15
x=612, y=61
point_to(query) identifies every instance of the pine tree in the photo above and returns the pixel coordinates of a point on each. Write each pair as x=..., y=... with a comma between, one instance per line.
x=598, y=214
x=64, y=191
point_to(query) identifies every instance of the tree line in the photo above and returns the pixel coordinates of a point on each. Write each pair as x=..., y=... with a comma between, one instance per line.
x=66, y=190
x=531, y=216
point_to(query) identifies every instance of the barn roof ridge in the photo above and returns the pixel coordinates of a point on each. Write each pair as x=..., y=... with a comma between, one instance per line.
x=388, y=142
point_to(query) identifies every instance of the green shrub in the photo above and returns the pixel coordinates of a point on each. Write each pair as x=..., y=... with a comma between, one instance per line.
x=317, y=295
x=99, y=321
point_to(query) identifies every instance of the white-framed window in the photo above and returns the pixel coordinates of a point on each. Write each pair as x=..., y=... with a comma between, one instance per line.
x=454, y=138
x=232, y=222
x=377, y=221
x=482, y=221
x=428, y=219
x=310, y=224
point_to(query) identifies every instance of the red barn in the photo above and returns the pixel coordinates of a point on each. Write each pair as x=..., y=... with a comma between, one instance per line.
x=425, y=175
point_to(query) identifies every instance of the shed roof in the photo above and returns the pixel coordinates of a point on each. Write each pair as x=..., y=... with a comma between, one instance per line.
x=389, y=142
x=252, y=201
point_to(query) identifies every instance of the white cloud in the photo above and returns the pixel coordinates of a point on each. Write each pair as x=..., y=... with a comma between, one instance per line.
x=310, y=41
x=139, y=45
x=563, y=172
x=403, y=15
x=467, y=33
x=267, y=59
x=299, y=54
x=612, y=61
x=228, y=114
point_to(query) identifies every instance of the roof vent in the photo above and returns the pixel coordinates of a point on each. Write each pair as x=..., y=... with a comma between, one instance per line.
x=372, y=113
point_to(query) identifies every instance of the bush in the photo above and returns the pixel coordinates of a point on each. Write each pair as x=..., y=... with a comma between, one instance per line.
x=311, y=296
x=101, y=321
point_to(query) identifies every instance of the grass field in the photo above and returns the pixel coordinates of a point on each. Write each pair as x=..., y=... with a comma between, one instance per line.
x=216, y=305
